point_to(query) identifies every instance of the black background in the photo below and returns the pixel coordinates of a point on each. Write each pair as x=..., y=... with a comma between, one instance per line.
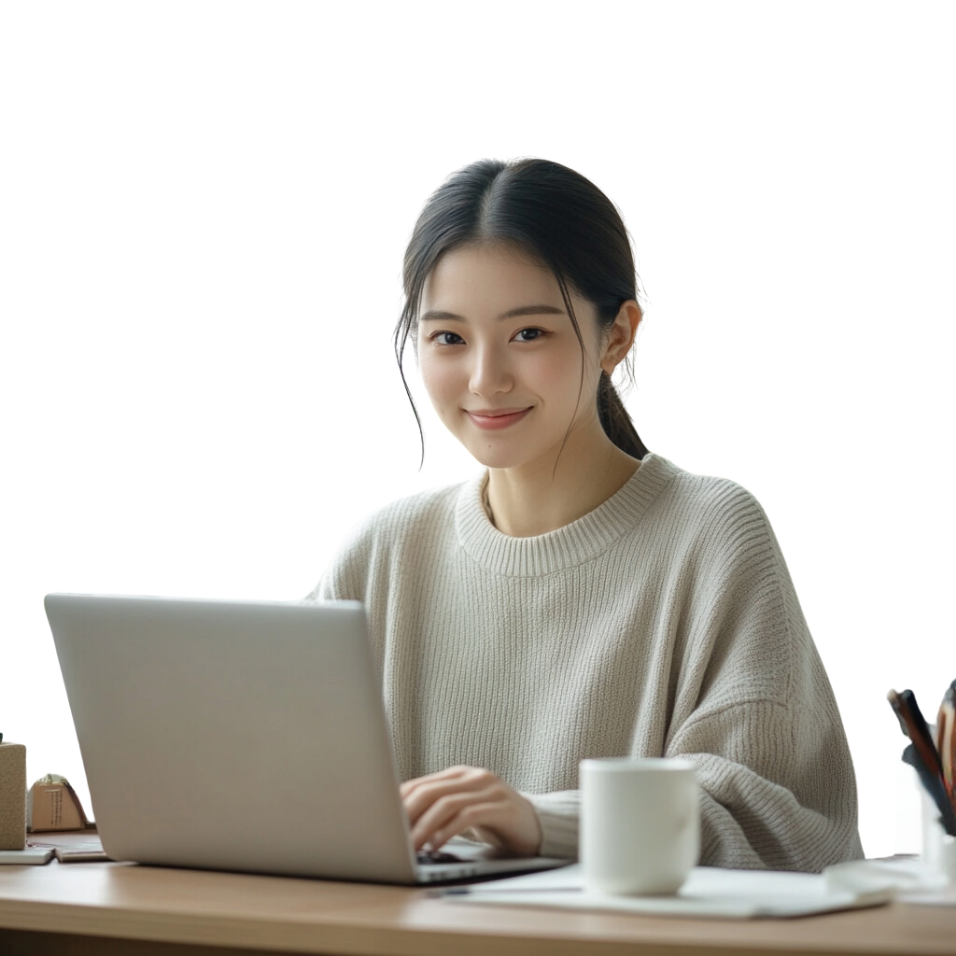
x=221, y=403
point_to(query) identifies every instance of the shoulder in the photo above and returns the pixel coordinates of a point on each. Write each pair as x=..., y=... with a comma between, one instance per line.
x=395, y=535
x=746, y=630
x=705, y=504
x=392, y=532
x=428, y=510
x=715, y=530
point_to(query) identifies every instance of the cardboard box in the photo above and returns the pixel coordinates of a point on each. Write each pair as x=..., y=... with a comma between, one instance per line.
x=13, y=796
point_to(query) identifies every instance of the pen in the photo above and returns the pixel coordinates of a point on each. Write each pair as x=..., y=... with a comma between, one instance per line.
x=924, y=739
x=946, y=739
x=893, y=699
x=914, y=726
x=491, y=888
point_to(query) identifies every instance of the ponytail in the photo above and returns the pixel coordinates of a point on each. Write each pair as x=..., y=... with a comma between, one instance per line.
x=615, y=420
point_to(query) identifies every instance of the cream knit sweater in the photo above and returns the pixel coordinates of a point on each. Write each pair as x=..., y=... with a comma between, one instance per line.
x=662, y=623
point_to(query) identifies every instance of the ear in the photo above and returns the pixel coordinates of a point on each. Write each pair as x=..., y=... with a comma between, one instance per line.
x=620, y=336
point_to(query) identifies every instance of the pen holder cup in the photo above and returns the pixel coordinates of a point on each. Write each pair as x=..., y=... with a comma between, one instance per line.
x=946, y=858
x=939, y=848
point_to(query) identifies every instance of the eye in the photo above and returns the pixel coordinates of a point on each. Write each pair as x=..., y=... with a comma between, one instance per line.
x=447, y=338
x=529, y=335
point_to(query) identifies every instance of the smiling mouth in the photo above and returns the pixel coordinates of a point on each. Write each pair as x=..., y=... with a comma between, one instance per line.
x=492, y=419
x=495, y=412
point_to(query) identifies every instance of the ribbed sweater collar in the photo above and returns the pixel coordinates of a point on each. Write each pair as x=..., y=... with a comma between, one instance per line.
x=569, y=546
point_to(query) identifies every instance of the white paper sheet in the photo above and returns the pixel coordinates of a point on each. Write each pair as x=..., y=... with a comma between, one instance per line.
x=709, y=891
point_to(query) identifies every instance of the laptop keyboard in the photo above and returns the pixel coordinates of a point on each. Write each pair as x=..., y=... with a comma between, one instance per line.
x=431, y=857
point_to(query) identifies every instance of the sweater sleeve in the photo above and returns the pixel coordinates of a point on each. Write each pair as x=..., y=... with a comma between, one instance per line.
x=777, y=790
x=558, y=815
x=748, y=821
x=755, y=711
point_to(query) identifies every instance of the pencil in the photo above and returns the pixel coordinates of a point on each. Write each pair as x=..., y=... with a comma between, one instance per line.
x=946, y=740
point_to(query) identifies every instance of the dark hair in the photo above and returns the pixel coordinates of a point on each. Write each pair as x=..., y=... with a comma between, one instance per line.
x=558, y=218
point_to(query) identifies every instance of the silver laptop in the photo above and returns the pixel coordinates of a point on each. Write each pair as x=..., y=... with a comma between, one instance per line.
x=242, y=736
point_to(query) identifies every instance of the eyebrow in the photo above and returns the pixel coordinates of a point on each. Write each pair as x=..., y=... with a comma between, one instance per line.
x=437, y=315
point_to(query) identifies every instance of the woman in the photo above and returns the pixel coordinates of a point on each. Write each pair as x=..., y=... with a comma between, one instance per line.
x=581, y=597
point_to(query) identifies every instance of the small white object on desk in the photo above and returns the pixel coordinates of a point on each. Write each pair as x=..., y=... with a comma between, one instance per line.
x=35, y=855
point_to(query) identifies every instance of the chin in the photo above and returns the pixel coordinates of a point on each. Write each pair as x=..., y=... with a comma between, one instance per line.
x=498, y=458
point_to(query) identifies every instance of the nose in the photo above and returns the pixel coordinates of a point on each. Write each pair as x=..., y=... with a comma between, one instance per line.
x=490, y=372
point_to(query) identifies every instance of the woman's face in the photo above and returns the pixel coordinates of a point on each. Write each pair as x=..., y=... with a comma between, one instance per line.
x=500, y=358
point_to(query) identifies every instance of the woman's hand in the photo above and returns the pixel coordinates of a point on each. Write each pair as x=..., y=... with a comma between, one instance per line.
x=444, y=804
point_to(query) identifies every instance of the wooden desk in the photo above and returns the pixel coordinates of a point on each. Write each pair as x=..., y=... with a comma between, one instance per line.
x=111, y=908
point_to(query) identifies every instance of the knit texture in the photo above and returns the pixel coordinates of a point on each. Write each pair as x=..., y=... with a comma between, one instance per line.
x=663, y=623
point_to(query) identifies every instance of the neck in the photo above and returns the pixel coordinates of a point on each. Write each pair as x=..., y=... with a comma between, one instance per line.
x=550, y=493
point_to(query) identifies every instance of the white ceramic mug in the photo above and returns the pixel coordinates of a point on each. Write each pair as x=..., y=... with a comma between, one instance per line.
x=640, y=824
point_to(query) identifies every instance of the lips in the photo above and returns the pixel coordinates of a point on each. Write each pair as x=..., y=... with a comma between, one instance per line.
x=493, y=419
x=496, y=412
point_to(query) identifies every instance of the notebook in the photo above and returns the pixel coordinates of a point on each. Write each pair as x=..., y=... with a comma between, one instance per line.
x=246, y=736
